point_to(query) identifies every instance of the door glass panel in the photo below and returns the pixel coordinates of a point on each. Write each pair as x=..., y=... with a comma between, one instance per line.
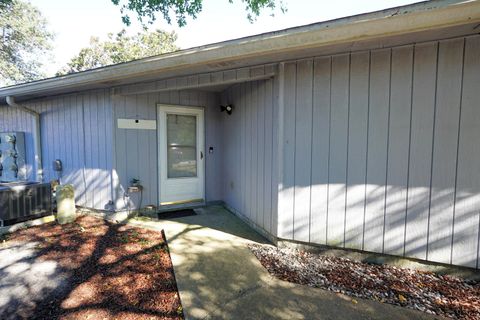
x=181, y=146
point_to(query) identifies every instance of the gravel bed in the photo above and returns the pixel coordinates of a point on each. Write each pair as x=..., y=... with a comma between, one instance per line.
x=435, y=294
x=107, y=271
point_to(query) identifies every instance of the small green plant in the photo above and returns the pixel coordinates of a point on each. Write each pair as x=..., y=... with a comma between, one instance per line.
x=134, y=237
x=180, y=310
x=4, y=238
x=49, y=240
x=124, y=238
x=79, y=227
x=134, y=234
x=143, y=241
x=143, y=218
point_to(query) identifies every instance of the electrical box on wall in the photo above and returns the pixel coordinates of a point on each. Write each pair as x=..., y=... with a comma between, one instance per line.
x=12, y=157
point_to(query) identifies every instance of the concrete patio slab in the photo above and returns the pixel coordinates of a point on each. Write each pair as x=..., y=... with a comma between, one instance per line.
x=219, y=278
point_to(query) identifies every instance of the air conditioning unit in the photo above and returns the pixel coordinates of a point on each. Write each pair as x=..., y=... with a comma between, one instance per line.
x=21, y=201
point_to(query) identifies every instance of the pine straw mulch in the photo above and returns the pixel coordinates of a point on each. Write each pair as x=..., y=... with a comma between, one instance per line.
x=435, y=294
x=113, y=271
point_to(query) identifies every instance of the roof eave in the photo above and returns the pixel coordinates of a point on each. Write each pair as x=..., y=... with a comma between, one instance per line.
x=390, y=22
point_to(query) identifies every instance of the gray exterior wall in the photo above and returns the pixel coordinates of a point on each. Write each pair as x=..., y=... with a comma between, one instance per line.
x=81, y=130
x=76, y=129
x=380, y=151
x=373, y=150
x=250, y=146
x=136, y=150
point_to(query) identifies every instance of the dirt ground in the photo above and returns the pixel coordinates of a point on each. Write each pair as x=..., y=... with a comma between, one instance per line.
x=89, y=269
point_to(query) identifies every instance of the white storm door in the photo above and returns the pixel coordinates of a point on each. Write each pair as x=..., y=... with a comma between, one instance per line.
x=181, y=154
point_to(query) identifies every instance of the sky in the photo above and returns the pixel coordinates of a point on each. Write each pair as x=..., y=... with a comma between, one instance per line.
x=74, y=22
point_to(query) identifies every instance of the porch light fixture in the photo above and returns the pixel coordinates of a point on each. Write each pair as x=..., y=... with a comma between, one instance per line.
x=227, y=108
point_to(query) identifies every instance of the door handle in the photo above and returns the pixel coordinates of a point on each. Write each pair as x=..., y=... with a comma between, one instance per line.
x=201, y=155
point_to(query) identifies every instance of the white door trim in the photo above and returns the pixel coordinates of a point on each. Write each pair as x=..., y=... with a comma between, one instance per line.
x=163, y=196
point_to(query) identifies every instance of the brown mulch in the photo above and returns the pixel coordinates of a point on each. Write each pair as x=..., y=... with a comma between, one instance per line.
x=113, y=271
x=432, y=293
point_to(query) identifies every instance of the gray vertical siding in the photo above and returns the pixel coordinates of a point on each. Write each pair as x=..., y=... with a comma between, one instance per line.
x=286, y=201
x=320, y=158
x=420, y=158
x=302, y=156
x=377, y=147
x=337, y=163
x=357, y=149
x=77, y=130
x=379, y=151
x=466, y=218
x=249, y=152
x=136, y=150
x=373, y=150
x=398, y=149
x=445, y=140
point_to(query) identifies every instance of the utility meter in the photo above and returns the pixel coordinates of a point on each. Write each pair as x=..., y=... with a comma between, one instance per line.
x=57, y=165
x=12, y=157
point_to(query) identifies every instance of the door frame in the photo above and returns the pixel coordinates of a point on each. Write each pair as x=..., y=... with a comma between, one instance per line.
x=181, y=109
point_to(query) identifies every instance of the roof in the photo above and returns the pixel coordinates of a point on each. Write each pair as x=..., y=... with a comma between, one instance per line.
x=406, y=24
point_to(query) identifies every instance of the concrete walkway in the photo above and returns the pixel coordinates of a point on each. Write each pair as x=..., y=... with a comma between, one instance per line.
x=219, y=278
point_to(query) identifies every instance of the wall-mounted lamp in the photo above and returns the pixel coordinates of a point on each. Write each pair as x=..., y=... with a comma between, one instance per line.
x=227, y=108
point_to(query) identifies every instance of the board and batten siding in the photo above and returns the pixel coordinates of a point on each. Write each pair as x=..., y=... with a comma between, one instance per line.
x=77, y=129
x=136, y=149
x=380, y=151
x=249, y=162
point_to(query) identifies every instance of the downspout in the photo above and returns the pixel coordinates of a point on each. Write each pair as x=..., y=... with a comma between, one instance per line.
x=37, y=149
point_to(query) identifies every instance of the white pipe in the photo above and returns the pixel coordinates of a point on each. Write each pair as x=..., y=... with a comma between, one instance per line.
x=36, y=136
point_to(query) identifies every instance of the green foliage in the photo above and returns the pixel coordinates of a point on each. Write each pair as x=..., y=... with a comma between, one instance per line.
x=24, y=38
x=4, y=238
x=134, y=237
x=4, y=3
x=181, y=9
x=121, y=48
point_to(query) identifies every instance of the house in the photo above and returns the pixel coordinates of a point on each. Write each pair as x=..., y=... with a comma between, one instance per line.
x=360, y=132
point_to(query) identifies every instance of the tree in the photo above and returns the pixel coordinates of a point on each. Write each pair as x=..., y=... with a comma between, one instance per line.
x=24, y=38
x=183, y=8
x=4, y=3
x=121, y=48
